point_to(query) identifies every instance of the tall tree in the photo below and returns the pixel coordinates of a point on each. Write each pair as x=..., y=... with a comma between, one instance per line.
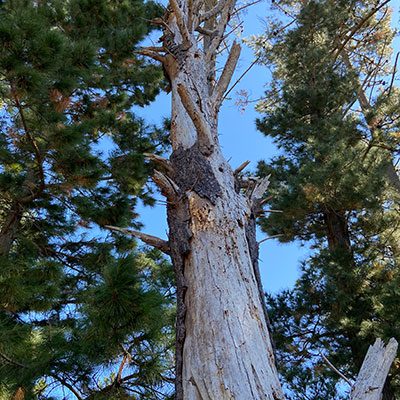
x=80, y=310
x=333, y=109
x=223, y=348
x=76, y=306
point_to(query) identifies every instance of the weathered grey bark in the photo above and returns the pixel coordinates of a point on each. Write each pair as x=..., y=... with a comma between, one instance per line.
x=372, y=376
x=223, y=346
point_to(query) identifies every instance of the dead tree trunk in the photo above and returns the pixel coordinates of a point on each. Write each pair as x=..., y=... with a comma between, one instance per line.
x=223, y=348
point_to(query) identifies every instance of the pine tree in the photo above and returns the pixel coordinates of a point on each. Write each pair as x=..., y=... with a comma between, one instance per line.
x=84, y=312
x=333, y=110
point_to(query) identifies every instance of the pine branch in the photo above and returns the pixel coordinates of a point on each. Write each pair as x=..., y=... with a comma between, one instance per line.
x=357, y=27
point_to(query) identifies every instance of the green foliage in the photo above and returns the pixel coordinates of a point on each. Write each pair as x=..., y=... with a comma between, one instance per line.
x=332, y=184
x=76, y=300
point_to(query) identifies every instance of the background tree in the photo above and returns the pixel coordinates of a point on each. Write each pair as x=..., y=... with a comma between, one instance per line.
x=82, y=311
x=333, y=110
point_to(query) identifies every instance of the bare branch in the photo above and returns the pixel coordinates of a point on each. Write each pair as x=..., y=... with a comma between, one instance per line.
x=205, y=31
x=152, y=54
x=67, y=385
x=227, y=73
x=153, y=241
x=214, y=11
x=260, y=189
x=333, y=368
x=203, y=131
x=270, y=237
x=241, y=167
x=180, y=20
x=220, y=28
x=241, y=76
x=167, y=186
x=166, y=164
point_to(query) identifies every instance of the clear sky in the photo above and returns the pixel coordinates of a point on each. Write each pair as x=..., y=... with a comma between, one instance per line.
x=240, y=141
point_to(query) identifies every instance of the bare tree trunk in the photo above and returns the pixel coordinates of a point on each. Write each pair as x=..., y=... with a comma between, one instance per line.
x=223, y=346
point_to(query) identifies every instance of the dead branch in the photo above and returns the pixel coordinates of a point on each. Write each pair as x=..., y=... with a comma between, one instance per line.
x=167, y=186
x=259, y=190
x=241, y=167
x=214, y=11
x=203, y=131
x=227, y=73
x=180, y=20
x=152, y=54
x=270, y=237
x=333, y=368
x=153, y=241
x=165, y=163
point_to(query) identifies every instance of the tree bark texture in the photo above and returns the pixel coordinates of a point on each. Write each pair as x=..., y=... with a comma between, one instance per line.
x=223, y=346
x=373, y=373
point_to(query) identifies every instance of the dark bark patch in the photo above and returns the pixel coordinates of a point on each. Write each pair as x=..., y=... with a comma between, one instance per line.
x=193, y=171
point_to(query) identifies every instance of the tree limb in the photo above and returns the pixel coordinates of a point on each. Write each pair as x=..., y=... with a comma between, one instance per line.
x=152, y=54
x=259, y=190
x=166, y=164
x=214, y=11
x=202, y=128
x=68, y=386
x=180, y=20
x=153, y=241
x=227, y=73
x=167, y=186
x=333, y=368
x=241, y=167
